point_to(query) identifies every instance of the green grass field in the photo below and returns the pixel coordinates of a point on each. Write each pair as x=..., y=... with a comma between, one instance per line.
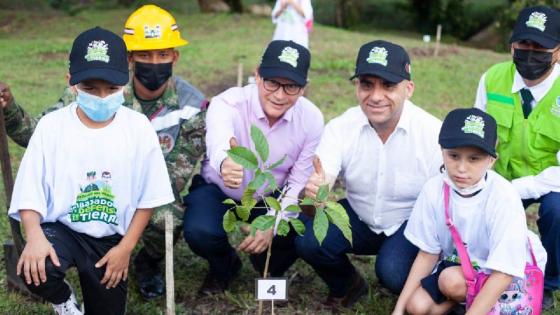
x=33, y=58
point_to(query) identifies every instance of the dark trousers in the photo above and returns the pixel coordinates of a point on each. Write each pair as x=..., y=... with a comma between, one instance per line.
x=81, y=251
x=549, y=228
x=205, y=235
x=395, y=254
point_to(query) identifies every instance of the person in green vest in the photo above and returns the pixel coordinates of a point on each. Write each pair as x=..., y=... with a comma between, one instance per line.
x=175, y=108
x=523, y=95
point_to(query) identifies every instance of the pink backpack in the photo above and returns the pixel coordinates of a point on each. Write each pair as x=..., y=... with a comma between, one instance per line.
x=522, y=297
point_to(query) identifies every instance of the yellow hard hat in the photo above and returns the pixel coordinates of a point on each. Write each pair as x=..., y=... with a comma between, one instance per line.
x=150, y=28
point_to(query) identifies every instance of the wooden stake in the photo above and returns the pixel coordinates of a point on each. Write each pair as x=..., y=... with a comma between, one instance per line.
x=239, y=74
x=438, y=39
x=169, y=278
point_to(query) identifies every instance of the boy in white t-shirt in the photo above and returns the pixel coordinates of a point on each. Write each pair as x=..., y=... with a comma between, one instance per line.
x=87, y=184
x=487, y=213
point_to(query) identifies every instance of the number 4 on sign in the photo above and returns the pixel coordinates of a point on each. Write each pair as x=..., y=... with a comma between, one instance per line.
x=271, y=289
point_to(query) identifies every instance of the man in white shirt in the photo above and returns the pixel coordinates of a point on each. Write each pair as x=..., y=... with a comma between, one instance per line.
x=385, y=149
x=523, y=95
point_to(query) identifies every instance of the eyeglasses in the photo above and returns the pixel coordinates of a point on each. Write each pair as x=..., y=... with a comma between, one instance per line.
x=289, y=88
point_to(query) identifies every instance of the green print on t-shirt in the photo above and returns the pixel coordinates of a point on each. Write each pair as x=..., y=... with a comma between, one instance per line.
x=95, y=202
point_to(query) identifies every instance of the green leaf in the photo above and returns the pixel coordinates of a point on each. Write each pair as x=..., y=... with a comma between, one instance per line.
x=243, y=156
x=229, y=221
x=323, y=192
x=272, y=185
x=293, y=208
x=263, y=222
x=337, y=211
x=261, y=144
x=298, y=226
x=277, y=163
x=258, y=181
x=339, y=217
x=229, y=201
x=273, y=203
x=283, y=228
x=320, y=225
x=243, y=212
x=247, y=197
x=307, y=202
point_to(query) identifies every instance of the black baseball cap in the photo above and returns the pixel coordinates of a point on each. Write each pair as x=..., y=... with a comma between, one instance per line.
x=98, y=54
x=383, y=59
x=285, y=59
x=469, y=127
x=539, y=24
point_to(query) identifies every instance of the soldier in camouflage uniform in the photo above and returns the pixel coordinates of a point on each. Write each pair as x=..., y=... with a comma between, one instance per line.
x=176, y=110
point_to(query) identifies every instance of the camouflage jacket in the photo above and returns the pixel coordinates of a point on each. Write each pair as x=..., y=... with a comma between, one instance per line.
x=176, y=116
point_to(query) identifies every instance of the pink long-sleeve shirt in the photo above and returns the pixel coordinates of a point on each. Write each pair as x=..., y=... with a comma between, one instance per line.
x=296, y=135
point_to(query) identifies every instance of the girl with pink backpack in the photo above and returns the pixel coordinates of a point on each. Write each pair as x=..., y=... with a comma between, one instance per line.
x=470, y=227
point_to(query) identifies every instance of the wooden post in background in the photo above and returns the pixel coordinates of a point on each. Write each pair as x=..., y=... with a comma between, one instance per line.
x=438, y=39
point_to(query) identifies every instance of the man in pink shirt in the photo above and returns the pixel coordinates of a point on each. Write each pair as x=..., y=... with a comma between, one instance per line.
x=292, y=126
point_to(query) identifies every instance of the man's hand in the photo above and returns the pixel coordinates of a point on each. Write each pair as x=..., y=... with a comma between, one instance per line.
x=32, y=260
x=316, y=179
x=6, y=97
x=258, y=243
x=117, y=260
x=232, y=173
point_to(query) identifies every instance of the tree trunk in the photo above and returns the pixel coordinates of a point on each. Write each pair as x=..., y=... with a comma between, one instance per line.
x=235, y=5
x=207, y=6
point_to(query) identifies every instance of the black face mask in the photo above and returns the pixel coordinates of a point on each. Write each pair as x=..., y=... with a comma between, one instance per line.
x=532, y=64
x=152, y=75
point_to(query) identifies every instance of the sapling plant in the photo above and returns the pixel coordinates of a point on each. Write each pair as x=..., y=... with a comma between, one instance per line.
x=263, y=187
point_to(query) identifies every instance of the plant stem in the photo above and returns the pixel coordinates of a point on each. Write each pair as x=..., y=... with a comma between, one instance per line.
x=268, y=252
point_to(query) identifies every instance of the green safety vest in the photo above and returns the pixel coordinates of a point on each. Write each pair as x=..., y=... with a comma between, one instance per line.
x=525, y=146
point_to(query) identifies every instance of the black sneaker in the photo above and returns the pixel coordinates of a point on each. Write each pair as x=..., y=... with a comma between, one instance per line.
x=149, y=276
x=548, y=301
x=358, y=288
x=212, y=285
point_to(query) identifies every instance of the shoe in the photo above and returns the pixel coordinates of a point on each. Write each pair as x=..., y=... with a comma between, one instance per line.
x=358, y=288
x=548, y=301
x=149, y=276
x=212, y=285
x=70, y=307
x=458, y=309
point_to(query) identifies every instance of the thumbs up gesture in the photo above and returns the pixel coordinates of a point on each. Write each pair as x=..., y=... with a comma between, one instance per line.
x=316, y=179
x=232, y=173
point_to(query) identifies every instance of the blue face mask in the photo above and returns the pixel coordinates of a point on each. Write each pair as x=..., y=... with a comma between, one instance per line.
x=97, y=108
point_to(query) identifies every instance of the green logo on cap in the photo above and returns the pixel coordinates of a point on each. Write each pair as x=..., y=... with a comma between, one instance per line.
x=97, y=51
x=474, y=124
x=378, y=55
x=537, y=20
x=290, y=56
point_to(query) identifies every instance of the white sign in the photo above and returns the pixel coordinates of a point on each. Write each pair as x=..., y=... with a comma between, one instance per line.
x=426, y=38
x=272, y=289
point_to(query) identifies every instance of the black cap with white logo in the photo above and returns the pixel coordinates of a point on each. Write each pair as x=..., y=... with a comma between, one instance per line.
x=98, y=54
x=285, y=59
x=383, y=59
x=469, y=127
x=539, y=24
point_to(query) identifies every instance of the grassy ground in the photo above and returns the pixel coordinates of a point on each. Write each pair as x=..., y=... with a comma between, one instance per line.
x=33, y=54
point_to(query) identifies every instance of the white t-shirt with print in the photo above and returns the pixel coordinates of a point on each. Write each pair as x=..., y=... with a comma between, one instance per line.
x=492, y=224
x=91, y=180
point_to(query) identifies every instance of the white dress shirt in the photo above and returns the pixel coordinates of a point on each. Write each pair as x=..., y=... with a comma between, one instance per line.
x=383, y=180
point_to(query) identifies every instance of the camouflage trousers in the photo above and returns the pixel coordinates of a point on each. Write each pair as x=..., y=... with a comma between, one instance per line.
x=153, y=237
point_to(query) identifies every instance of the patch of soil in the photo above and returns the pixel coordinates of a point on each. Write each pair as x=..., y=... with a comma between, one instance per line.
x=427, y=52
x=44, y=56
x=214, y=87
